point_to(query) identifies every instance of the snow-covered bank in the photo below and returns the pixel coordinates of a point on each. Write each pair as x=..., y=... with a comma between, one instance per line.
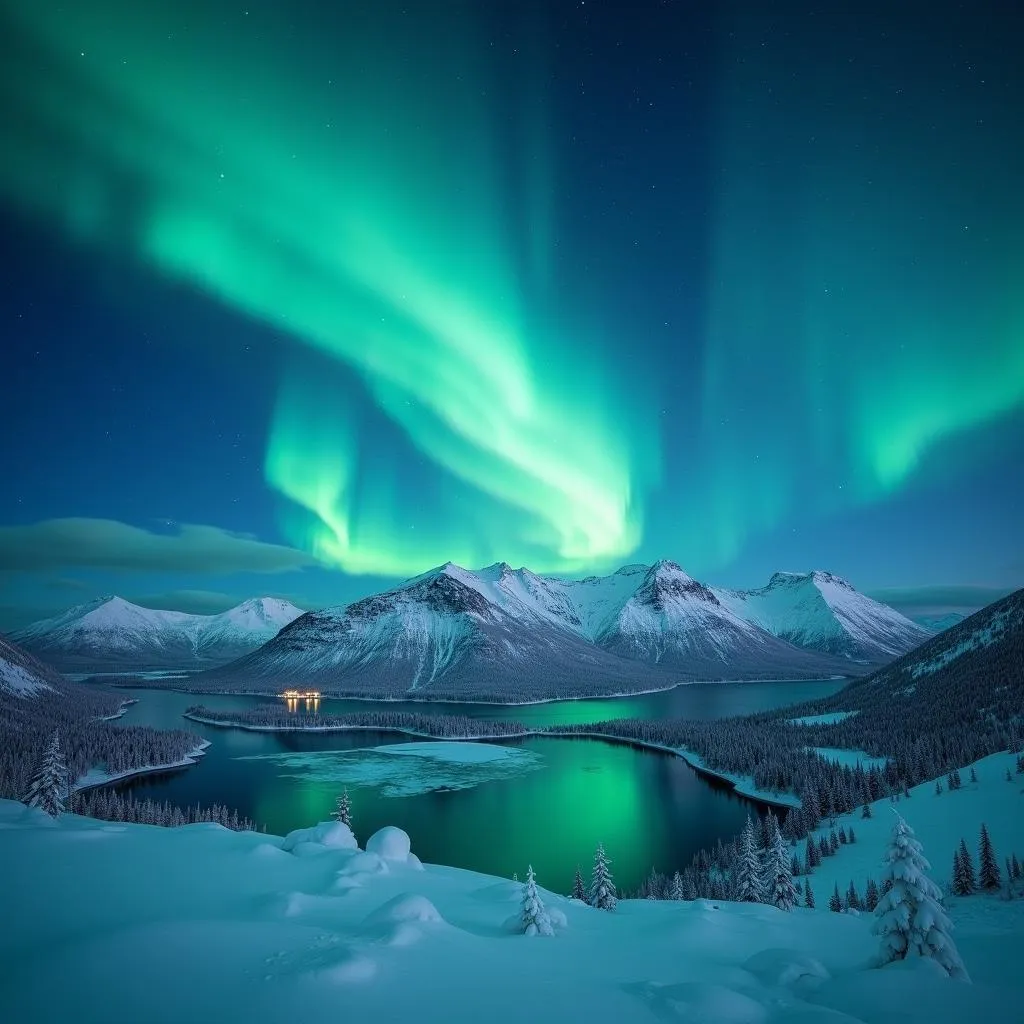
x=98, y=777
x=200, y=923
x=235, y=724
x=119, y=713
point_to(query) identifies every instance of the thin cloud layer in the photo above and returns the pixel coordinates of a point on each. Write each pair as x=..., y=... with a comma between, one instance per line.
x=110, y=544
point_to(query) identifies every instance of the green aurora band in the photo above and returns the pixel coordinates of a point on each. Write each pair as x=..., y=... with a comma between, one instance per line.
x=363, y=199
x=369, y=225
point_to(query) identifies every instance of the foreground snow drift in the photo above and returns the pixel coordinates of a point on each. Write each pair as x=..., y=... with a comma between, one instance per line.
x=112, y=922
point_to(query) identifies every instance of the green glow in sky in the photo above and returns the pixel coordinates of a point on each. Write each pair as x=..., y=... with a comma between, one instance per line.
x=364, y=216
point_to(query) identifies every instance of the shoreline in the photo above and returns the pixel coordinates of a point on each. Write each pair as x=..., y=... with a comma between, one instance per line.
x=358, y=728
x=191, y=758
x=693, y=760
x=125, y=705
x=486, y=703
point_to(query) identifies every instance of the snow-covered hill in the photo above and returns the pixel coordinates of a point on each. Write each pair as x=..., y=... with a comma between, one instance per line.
x=111, y=633
x=820, y=611
x=503, y=633
x=252, y=927
x=21, y=675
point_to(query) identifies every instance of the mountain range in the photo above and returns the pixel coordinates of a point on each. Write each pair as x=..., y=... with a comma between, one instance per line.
x=509, y=634
x=113, y=634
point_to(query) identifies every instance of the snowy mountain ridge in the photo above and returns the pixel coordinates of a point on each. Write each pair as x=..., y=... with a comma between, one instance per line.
x=821, y=611
x=21, y=675
x=113, y=632
x=504, y=633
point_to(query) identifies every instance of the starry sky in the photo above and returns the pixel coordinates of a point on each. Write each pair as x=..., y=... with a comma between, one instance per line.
x=303, y=299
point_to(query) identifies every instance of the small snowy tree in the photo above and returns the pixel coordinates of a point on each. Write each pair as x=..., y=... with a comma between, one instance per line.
x=871, y=896
x=808, y=895
x=534, y=916
x=749, y=888
x=675, y=891
x=989, y=877
x=602, y=887
x=579, y=890
x=835, y=901
x=49, y=783
x=910, y=919
x=964, y=882
x=343, y=809
x=778, y=877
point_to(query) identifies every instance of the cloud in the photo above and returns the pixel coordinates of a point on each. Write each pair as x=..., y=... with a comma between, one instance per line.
x=939, y=600
x=109, y=544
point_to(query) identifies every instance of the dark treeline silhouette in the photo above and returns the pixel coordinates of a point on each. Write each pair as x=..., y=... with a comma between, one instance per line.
x=109, y=805
x=76, y=713
x=274, y=716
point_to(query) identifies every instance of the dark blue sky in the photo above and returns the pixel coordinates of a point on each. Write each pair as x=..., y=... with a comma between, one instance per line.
x=302, y=302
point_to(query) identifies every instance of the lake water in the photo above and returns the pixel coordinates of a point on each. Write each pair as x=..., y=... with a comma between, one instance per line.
x=535, y=800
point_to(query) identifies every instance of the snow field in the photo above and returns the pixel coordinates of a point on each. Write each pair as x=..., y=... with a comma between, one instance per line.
x=120, y=922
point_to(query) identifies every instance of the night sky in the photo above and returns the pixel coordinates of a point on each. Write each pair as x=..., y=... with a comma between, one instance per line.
x=302, y=299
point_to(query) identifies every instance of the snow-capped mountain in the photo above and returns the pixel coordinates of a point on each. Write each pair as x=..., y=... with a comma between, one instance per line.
x=21, y=675
x=509, y=632
x=111, y=633
x=819, y=611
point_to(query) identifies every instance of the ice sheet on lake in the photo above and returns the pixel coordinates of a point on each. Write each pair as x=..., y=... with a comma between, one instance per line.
x=407, y=769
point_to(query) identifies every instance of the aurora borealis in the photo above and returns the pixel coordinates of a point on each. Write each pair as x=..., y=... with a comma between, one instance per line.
x=397, y=284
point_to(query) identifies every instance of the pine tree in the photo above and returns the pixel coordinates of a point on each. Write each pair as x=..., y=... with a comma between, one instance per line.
x=689, y=886
x=964, y=882
x=871, y=896
x=749, y=888
x=974, y=774
x=579, y=890
x=534, y=917
x=778, y=878
x=851, y=838
x=1015, y=867
x=49, y=784
x=808, y=895
x=835, y=902
x=910, y=919
x=675, y=891
x=865, y=811
x=988, y=867
x=853, y=900
x=343, y=809
x=602, y=887
x=938, y=787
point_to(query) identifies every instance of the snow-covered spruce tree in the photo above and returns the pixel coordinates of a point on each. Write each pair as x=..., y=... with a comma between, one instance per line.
x=579, y=890
x=534, y=916
x=49, y=784
x=778, y=876
x=835, y=901
x=910, y=919
x=343, y=809
x=808, y=895
x=675, y=891
x=871, y=896
x=749, y=887
x=964, y=882
x=989, y=877
x=602, y=887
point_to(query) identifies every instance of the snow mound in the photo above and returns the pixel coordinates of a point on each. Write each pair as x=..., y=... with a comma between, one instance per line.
x=390, y=843
x=695, y=1001
x=363, y=863
x=330, y=835
x=784, y=967
x=403, y=908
